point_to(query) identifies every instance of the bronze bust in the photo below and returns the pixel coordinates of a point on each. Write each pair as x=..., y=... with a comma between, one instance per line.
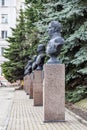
x=29, y=67
x=34, y=65
x=25, y=71
x=56, y=42
x=26, y=68
x=41, y=56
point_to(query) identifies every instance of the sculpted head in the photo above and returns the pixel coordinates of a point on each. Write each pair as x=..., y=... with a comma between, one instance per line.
x=56, y=41
x=54, y=26
x=41, y=48
x=41, y=56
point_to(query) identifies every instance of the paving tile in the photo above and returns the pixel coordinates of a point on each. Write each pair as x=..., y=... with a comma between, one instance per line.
x=6, y=98
x=24, y=116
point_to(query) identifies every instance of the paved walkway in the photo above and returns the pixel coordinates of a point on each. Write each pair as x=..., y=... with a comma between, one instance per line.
x=24, y=116
x=6, y=99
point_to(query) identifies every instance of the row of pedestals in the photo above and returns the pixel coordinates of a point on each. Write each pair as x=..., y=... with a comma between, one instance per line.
x=47, y=88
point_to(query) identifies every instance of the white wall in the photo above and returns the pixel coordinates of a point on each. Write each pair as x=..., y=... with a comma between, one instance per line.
x=11, y=8
x=11, y=19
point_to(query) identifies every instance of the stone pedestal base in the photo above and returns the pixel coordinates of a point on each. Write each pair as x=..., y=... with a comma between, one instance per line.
x=38, y=88
x=31, y=86
x=54, y=92
x=28, y=84
x=25, y=83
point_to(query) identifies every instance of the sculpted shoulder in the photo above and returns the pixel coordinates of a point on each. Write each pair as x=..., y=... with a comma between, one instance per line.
x=59, y=40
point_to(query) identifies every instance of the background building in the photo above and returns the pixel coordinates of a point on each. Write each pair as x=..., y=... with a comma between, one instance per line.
x=9, y=10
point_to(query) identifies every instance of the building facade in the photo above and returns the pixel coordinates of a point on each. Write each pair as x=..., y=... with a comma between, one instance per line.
x=9, y=10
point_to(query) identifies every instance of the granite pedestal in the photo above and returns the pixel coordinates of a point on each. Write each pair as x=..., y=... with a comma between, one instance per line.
x=25, y=83
x=54, y=92
x=31, y=86
x=38, y=88
x=28, y=84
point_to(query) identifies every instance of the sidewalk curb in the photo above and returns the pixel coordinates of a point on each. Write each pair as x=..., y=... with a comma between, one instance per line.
x=9, y=113
x=80, y=119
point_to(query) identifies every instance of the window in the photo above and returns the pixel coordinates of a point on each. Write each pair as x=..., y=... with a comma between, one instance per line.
x=2, y=2
x=3, y=34
x=4, y=18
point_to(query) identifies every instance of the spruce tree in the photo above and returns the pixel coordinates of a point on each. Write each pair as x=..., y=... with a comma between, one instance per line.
x=33, y=13
x=17, y=52
x=73, y=16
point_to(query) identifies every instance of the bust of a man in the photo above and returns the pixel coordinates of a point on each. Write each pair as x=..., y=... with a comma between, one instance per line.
x=26, y=68
x=29, y=67
x=56, y=41
x=34, y=65
x=25, y=71
x=41, y=56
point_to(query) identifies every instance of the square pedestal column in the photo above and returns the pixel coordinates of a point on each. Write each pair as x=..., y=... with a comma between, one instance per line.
x=28, y=83
x=31, y=86
x=54, y=92
x=38, y=88
x=25, y=83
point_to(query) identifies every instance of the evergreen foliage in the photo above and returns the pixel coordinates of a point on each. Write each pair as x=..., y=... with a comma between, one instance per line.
x=32, y=15
x=73, y=16
x=76, y=94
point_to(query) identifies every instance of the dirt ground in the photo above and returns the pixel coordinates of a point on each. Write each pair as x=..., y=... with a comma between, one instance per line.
x=77, y=110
